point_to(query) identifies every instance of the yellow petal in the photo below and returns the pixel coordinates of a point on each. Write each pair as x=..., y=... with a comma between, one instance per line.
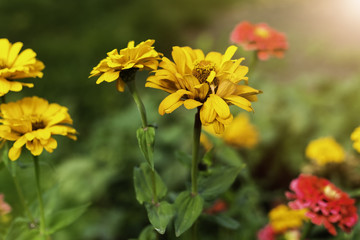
x=211, y=76
x=240, y=102
x=108, y=77
x=219, y=128
x=230, y=51
x=14, y=153
x=51, y=145
x=13, y=53
x=172, y=100
x=220, y=106
x=120, y=85
x=207, y=113
x=191, y=103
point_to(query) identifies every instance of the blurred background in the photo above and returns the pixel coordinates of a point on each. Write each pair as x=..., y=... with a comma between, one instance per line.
x=312, y=92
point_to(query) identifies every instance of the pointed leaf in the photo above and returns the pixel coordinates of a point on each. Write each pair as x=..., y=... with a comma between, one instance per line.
x=143, y=183
x=160, y=215
x=148, y=233
x=146, y=140
x=217, y=182
x=188, y=209
x=63, y=218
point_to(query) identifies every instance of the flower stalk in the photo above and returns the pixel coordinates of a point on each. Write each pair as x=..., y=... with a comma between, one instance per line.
x=140, y=105
x=306, y=231
x=39, y=195
x=195, y=150
x=22, y=199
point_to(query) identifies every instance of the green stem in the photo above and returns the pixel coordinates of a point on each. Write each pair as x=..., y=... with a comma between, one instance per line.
x=195, y=156
x=39, y=195
x=22, y=199
x=307, y=229
x=142, y=111
x=139, y=103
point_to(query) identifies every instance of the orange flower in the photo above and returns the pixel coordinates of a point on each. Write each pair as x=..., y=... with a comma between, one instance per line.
x=260, y=38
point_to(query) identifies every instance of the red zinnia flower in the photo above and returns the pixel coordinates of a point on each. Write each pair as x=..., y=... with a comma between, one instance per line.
x=261, y=38
x=218, y=206
x=326, y=203
x=266, y=233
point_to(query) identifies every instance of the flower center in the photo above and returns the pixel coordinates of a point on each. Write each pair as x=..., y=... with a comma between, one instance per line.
x=331, y=193
x=262, y=32
x=203, y=69
x=38, y=124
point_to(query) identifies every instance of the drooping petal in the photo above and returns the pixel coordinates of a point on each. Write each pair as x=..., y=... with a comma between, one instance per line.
x=191, y=103
x=171, y=101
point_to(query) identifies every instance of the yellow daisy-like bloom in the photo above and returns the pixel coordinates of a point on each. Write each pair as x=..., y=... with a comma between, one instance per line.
x=355, y=137
x=283, y=218
x=209, y=82
x=116, y=65
x=32, y=122
x=239, y=133
x=325, y=150
x=16, y=65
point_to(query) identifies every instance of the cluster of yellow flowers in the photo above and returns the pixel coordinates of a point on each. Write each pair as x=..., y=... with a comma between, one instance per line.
x=283, y=218
x=209, y=83
x=31, y=121
x=240, y=133
x=325, y=150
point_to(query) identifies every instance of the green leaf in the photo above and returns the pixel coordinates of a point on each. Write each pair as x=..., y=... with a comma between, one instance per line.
x=20, y=230
x=146, y=140
x=63, y=218
x=226, y=221
x=184, y=158
x=143, y=183
x=230, y=156
x=217, y=182
x=148, y=233
x=188, y=209
x=160, y=215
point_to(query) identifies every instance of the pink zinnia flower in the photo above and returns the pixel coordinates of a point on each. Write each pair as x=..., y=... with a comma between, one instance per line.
x=4, y=207
x=261, y=38
x=266, y=233
x=326, y=203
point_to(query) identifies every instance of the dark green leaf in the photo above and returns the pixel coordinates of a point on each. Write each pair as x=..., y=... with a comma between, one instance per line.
x=63, y=218
x=188, y=209
x=148, y=233
x=217, y=182
x=226, y=221
x=160, y=215
x=143, y=183
x=146, y=140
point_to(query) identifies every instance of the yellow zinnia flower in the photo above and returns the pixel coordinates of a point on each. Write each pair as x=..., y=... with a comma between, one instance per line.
x=239, y=133
x=15, y=66
x=32, y=122
x=325, y=150
x=355, y=137
x=116, y=65
x=209, y=82
x=283, y=218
